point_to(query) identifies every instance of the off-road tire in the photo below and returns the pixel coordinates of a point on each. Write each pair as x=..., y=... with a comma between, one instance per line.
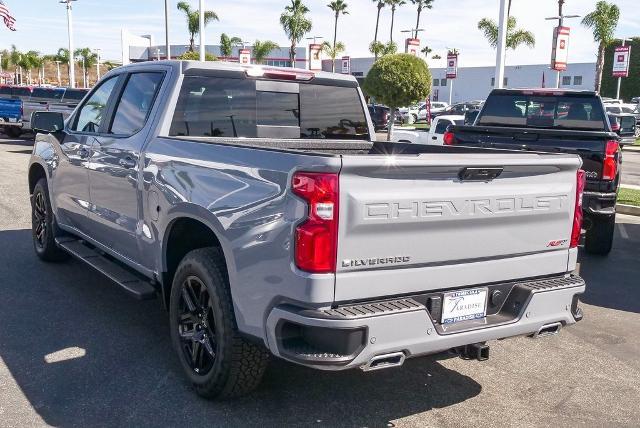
x=239, y=365
x=44, y=246
x=599, y=238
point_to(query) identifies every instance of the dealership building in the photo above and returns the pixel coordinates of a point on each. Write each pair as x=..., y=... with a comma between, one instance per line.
x=475, y=83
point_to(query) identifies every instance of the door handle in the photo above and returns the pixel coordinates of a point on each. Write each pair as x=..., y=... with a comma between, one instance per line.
x=127, y=162
x=434, y=138
x=83, y=152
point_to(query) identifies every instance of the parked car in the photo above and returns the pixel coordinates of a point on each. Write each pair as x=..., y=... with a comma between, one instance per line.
x=70, y=99
x=380, y=116
x=607, y=100
x=11, y=108
x=635, y=100
x=459, y=109
x=559, y=121
x=40, y=99
x=434, y=135
x=436, y=107
x=625, y=125
x=253, y=202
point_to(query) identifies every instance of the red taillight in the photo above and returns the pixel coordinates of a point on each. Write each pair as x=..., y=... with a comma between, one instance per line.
x=449, y=139
x=577, y=213
x=316, y=240
x=610, y=164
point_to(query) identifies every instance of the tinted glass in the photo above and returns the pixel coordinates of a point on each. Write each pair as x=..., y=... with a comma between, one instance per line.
x=74, y=94
x=5, y=90
x=92, y=112
x=278, y=109
x=441, y=127
x=218, y=107
x=47, y=94
x=21, y=92
x=562, y=112
x=331, y=112
x=136, y=102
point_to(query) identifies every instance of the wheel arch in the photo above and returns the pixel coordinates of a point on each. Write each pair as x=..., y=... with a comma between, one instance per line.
x=36, y=172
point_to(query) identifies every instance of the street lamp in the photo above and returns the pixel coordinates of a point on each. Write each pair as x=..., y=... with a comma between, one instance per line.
x=58, y=70
x=202, y=46
x=98, y=50
x=315, y=39
x=560, y=18
x=166, y=27
x=501, y=44
x=72, y=68
x=84, y=71
x=414, y=32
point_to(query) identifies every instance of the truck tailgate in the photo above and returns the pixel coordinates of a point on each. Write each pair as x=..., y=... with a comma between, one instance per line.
x=410, y=224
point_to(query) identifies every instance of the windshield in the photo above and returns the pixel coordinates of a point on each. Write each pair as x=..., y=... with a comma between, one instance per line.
x=544, y=111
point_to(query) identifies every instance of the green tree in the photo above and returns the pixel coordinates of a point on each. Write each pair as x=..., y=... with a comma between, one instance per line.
x=5, y=62
x=380, y=4
x=338, y=7
x=262, y=49
x=227, y=43
x=295, y=24
x=63, y=56
x=193, y=21
x=602, y=22
x=515, y=36
x=394, y=5
x=88, y=58
x=195, y=56
x=398, y=80
x=422, y=4
x=382, y=49
x=333, y=52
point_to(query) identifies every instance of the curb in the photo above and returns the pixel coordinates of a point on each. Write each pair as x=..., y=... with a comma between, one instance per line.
x=627, y=209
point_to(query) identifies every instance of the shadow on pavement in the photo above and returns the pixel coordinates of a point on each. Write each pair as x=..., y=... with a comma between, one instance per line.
x=612, y=281
x=119, y=367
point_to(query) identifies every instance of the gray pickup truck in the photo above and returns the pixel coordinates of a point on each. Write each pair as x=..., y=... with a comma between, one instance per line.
x=256, y=203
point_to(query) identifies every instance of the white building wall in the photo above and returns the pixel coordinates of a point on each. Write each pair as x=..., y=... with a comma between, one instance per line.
x=474, y=83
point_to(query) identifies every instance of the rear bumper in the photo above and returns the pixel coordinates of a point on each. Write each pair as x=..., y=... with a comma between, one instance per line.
x=350, y=336
x=599, y=203
x=4, y=122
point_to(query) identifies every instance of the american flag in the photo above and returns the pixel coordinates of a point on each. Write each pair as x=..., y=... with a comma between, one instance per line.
x=9, y=20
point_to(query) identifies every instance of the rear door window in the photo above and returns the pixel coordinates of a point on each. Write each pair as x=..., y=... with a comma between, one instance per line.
x=21, y=92
x=74, y=95
x=47, y=94
x=135, y=103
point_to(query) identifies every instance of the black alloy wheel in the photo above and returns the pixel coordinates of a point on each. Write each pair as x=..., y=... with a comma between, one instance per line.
x=196, y=326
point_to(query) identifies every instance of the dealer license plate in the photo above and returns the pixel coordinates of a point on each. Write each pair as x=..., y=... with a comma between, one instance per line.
x=464, y=305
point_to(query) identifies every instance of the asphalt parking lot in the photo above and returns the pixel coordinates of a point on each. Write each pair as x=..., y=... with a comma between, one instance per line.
x=77, y=351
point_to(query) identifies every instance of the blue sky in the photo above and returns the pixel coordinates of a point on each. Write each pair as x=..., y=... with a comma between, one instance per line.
x=42, y=25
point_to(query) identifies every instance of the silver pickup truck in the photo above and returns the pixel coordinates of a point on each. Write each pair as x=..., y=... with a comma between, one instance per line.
x=256, y=204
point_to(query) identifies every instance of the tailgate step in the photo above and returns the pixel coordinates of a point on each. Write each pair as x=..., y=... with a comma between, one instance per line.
x=133, y=284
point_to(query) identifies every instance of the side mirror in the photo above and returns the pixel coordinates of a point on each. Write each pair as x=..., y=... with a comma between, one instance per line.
x=47, y=122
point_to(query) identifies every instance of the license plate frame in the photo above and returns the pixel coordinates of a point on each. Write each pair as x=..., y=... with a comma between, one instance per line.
x=464, y=305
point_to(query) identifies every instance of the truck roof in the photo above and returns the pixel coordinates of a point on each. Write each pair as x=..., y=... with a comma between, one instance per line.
x=544, y=91
x=254, y=70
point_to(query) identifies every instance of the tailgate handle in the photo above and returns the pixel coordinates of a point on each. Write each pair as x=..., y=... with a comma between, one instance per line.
x=479, y=173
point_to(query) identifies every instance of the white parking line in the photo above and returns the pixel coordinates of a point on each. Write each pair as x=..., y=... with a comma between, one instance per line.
x=623, y=231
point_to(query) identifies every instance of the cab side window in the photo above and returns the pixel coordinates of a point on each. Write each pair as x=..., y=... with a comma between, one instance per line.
x=441, y=126
x=93, y=110
x=135, y=104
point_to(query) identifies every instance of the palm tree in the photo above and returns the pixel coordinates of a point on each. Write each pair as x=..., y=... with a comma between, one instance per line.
x=515, y=36
x=63, y=56
x=380, y=5
x=88, y=59
x=262, y=49
x=31, y=60
x=227, y=43
x=338, y=7
x=333, y=52
x=193, y=21
x=394, y=5
x=381, y=49
x=422, y=4
x=295, y=23
x=16, y=56
x=603, y=22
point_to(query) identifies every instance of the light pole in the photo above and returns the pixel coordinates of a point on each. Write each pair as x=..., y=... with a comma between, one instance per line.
x=84, y=71
x=166, y=28
x=315, y=39
x=98, y=50
x=620, y=78
x=201, y=17
x=158, y=54
x=72, y=68
x=414, y=32
x=560, y=19
x=58, y=72
x=502, y=44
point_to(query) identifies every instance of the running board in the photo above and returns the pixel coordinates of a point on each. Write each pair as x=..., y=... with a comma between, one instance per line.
x=134, y=285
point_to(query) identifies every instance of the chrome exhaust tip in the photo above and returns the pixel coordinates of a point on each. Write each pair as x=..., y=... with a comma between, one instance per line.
x=384, y=361
x=548, y=330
